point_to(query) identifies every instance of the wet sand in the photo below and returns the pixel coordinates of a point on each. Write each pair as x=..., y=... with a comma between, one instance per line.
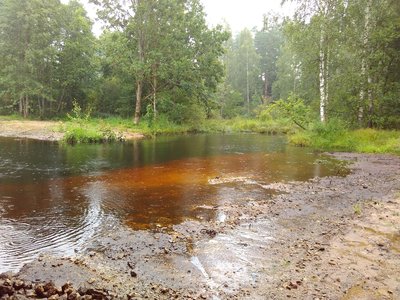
x=327, y=238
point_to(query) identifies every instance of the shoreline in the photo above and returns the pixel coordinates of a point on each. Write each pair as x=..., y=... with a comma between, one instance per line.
x=44, y=130
x=326, y=238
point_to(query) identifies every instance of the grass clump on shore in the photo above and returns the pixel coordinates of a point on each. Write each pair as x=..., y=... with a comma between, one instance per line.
x=84, y=133
x=334, y=136
x=80, y=128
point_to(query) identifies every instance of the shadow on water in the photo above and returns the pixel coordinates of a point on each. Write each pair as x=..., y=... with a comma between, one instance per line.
x=55, y=198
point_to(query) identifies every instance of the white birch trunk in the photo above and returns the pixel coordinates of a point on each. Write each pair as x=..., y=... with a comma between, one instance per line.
x=247, y=83
x=365, y=88
x=322, y=79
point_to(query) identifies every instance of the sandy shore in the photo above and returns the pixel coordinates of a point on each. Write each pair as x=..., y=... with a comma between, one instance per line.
x=44, y=130
x=38, y=130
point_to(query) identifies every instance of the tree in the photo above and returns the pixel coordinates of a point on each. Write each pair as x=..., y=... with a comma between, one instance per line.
x=45, y=46
x=268, y=43
x=243, y=65
x=75, y=70
x=180, y=58
x=349, y=49
x=27, y=32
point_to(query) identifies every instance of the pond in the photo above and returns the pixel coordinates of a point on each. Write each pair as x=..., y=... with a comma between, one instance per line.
x=55, y=198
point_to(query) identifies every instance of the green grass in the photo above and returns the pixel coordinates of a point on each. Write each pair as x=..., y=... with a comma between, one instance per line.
x=357, y=208
x=11, y=117
x=246, y=125
x=93, y=130
x=88, y=132
x=335, y=137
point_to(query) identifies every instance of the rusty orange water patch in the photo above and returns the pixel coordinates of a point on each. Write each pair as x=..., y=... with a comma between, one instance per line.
x=162, y=194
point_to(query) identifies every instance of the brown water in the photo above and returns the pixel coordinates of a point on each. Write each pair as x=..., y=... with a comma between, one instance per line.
x=57, y=198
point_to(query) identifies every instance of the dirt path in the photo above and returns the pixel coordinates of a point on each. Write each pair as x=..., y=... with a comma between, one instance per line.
x=328, y=238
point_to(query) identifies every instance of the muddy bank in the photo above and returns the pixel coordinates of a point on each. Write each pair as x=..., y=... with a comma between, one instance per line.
x=328, y=238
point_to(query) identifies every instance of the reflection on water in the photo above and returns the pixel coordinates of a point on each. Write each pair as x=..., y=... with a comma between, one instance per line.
x=56, y=198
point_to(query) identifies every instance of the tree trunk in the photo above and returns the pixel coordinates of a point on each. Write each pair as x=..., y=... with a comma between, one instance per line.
x=265, y=92
x=365, y=77
x=370, y=102
x=362, y=92
x=322, y=79
x=140, y=78
x=21, y=106
x=60, y=100
x=154, y=96
x=247, y=83
x=26, y=107
x=139, y=87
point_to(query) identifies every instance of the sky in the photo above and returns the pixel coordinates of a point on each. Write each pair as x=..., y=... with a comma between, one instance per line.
x=237, y=13
x=242, y=13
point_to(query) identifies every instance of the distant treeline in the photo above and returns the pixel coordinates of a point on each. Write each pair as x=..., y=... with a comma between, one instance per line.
x=159, y=59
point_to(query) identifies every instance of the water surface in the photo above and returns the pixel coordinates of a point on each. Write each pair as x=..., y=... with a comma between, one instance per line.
x=55, y=198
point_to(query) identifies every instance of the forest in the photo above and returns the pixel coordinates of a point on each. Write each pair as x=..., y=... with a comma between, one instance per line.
x=157, y=61
x=161, y=157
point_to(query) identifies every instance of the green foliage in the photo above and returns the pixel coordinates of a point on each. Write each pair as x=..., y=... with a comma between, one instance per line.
x=239, y=124
x=240, y=92
x=178, y=61
x=81, y=129
x=77, y=115
x=88, y=131
x=335, y=136
x=357, y=45
x=293, y=109
x=46, y=49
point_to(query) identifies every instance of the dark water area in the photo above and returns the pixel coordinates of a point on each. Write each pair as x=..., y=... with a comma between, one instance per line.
x=55, y=198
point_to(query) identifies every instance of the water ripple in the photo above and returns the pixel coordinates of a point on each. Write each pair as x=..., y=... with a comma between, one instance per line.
x=21, y=241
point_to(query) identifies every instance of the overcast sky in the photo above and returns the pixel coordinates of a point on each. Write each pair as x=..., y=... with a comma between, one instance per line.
x=237, y=13
x=242, y=13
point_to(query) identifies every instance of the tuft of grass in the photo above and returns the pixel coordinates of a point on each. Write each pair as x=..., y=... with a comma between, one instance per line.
x=88, y=132
x=333, y=136
x=357, y=209
x=238, y=124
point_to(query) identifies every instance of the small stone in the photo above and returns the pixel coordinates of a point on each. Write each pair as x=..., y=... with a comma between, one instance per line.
x=6, y=290
x=133, y=274
x=40, y=292
x=30, y=293
x=74, y=296
x=18, y=284
x=66, y=286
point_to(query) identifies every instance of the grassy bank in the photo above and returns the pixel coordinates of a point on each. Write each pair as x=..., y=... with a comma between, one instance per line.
x=335, y=137
x=330, y=137
x=93, y=130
